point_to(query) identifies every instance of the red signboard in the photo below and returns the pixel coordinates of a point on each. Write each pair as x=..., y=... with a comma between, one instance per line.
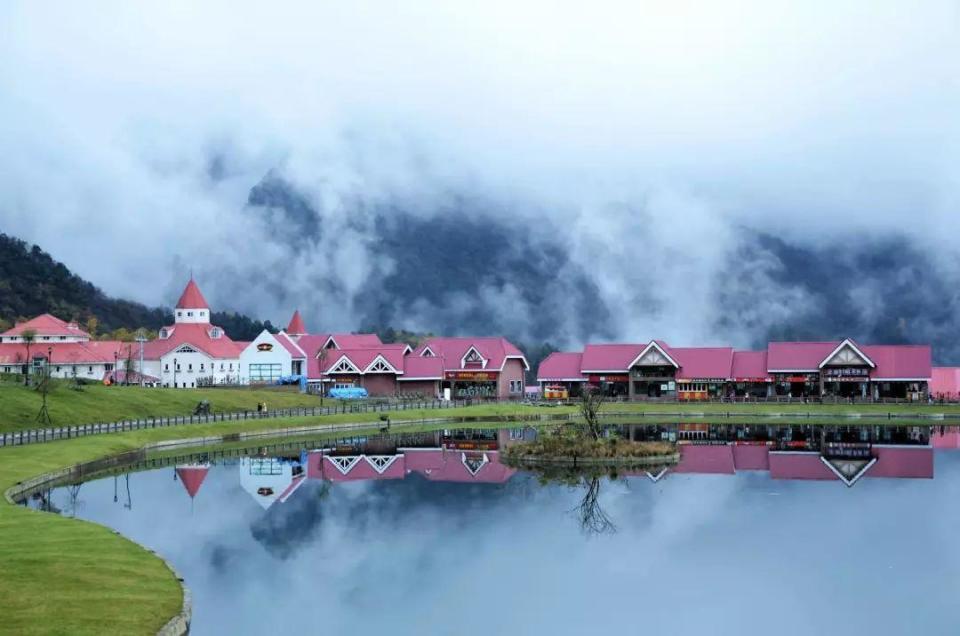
x=752, y=380
x=597, y=379
x=471, y=376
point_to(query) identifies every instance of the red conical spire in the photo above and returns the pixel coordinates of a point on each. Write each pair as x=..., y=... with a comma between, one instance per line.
x=191, y=298
x=296, y=326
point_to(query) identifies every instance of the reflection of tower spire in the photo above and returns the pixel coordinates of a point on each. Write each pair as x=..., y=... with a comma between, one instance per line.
x=192, y=476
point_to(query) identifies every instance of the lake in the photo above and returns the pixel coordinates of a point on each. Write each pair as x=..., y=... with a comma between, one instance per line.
x=431, y=534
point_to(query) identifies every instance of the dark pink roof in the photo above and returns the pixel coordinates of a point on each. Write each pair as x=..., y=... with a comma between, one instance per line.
x=751, y=457
x=434, y=464
x=452, y=350
x=363, y=470
x=945, y=381
x=93, y=351
x=705, y=458
x=899, y=361
x=191, y=298
x=361, y=358
x=290, y=345
x=702, y=362
x=416, y=367
x=749, y=364
x=296, y=326
x=798, y=356
x=609, y=357
x=454, y=469
x=192, y=478
x=355, y=340
x=560, y=366
x=47, y=325
x=196, y=335
x=789, y=465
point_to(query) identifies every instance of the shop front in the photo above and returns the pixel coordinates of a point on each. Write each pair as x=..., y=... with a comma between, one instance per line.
x=752, y=387
x=846, y=382
x=615, y=385
x=797, y=384
x=465, y=385
x=694, y=389
x=653, y=382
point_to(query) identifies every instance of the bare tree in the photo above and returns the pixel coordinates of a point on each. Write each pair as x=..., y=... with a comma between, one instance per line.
x=590, y=402
x=593, y=519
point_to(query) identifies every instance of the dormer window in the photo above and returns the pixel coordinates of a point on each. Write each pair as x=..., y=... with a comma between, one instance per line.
x=473, y=358
x=215, y=332
x=164, y=334
x=426, y=353
x=202, y=314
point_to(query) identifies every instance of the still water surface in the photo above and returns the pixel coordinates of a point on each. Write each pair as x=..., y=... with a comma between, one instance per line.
x=455, y=543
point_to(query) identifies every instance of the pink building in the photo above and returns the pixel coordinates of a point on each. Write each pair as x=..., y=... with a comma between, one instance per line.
x=656, y=369
x=468, y=367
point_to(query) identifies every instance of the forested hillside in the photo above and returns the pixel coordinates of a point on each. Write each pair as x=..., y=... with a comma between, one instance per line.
x=32, y=283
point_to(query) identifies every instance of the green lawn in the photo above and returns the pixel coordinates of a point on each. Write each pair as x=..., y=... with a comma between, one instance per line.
x=19, y=405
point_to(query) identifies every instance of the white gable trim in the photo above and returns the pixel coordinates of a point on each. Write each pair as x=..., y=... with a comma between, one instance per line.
x=658, y=476
x=653, y=345
x=344, y=463
x=350, y=367
x=380, y=358
x=526, y=365
x=848, y=343
x=423, y=354
x=380, y=463
x=463, y=360
x=473, y=472
x=329, y=340
x=843, y=478
x=303, y=354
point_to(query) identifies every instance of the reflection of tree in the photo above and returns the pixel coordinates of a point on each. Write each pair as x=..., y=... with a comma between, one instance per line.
x=73, y=490
x=593, y=519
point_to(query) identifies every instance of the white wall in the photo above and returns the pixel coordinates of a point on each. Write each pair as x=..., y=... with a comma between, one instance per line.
x=194, y=366
x=277, y=354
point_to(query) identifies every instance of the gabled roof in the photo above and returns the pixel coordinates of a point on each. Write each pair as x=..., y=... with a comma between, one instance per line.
x=417, y=368
x=290, y=346
x=798, y=356
x=196, y=335
x=659, y=346
x=852, y=347
x=495, y=350
x=904, y=362
x=559, y=366
x=47, y=325
x=749, y=364
x=191, y=298
x=609, y=357
x=362, y=359
x=353, y=340
x=90, y=352
x=703, y=362
x=296, y=326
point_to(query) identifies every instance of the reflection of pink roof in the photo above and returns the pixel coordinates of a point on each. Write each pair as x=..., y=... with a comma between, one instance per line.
x=749, y=364
x=452, y=350
x=796, y=465
x=899, y=361
x=751, y=457
x=560, y=366
x=702, y=362
x=609, y=357
x=454, y=468
x=705, y=458
x=949, y=438
x=192, y=478
x=191, y=298
x=798, y=356
x=434, y=464
x=945, y=381
x=47, y=325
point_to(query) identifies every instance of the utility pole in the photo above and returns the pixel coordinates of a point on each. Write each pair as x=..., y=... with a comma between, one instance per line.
x=141, y=339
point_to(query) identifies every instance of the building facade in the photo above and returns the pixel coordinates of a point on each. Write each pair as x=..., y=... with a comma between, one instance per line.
x=842, y=369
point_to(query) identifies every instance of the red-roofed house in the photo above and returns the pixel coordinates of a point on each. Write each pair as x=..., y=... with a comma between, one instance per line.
x=477, y=367
x=562, y=369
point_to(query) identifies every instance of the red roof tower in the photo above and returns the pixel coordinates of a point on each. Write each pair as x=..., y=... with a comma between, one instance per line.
x=296, y=326
x=191, y=298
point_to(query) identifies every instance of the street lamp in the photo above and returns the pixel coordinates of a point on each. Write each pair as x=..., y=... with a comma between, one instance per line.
x=115, y=358
x=174, y=373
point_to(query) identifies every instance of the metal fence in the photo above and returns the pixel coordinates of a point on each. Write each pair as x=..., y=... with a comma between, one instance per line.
x=36, y=436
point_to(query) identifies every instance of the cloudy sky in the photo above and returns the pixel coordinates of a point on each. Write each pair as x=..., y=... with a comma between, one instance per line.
x=650, y=143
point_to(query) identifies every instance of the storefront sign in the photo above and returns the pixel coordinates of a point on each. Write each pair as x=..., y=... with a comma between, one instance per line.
x=597, y=379
x=843, y=372
x=752, y=380
x=264, y=346
x=471, y=376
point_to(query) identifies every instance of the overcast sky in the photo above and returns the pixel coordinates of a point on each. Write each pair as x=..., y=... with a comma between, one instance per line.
x=131, y=135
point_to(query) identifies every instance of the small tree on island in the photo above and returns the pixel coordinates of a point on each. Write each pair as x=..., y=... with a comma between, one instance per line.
x=590, y=402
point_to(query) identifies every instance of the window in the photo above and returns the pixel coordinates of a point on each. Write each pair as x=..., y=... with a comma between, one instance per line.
x=190, y=313
x=166, y=367
x=202, y=313
x=63, y=337
x=179, y=314
x=163, y=334
x=89, y=369
x=178, y=366
x=46, y=337
x=215, y=332
x=58, y=368
x=231, y=366
x=190, y=368
x=265, y=372
x=221, y=366
x=201, y=366
x=516, y=386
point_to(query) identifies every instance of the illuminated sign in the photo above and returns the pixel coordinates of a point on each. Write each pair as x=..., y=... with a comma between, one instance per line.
x=597, y=379
x=471, y=376
x=264, y=346
x=847, y=372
